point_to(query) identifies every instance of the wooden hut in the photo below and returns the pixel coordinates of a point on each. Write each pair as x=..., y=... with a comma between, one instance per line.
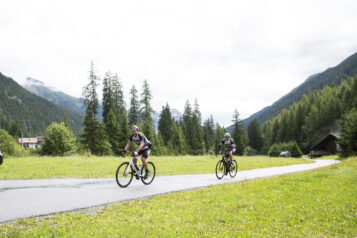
x=326, y=146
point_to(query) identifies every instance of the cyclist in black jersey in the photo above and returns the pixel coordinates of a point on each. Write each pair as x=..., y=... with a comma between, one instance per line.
x=144, y=147
x=229, y=145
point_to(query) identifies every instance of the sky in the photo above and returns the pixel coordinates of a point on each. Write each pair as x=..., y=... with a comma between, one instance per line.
x=226, y=54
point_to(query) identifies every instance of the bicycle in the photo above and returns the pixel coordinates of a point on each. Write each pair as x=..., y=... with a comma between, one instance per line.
x=223, y=167
x=127, y=170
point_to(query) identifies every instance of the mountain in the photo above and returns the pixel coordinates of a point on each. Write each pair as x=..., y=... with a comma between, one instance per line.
x=334, y=75
x=176, y=114
x=39, y=88
x=32, y=113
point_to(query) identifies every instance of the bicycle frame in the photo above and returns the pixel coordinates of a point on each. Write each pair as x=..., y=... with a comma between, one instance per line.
x=132, y=165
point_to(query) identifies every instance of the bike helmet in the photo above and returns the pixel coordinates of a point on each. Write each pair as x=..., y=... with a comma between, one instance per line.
x=134, y=128
x=227, y=135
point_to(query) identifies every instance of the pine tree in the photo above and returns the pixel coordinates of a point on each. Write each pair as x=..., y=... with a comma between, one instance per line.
x=177, y=143
x=134, y=107
x=107, y=101
x=349, y=133
x=209, y=134
x=94, y=136
x=165, y=124
x=238, y=134
x=254, y=135
x=119, y=109
x=113, y=131
x=146, y=112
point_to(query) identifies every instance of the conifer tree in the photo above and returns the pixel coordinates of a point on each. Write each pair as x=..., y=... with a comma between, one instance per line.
x=107, y=101
x=146, y=112
x=94, y=136
x=165, y=124
x=209, y=134
x=134, y=107
x=254, y=135
x=238, y=134
x=119, y=109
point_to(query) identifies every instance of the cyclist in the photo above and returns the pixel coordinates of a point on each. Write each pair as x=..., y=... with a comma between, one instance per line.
x=230, y=147
x=144, y=147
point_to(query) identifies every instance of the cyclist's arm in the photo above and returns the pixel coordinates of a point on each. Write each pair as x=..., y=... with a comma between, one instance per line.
x=127, y=145
x=142, y=144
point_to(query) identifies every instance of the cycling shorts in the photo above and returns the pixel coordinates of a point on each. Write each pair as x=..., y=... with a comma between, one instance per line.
x=145, y=153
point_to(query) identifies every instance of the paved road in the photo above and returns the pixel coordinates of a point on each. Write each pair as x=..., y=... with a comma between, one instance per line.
x=28, y=198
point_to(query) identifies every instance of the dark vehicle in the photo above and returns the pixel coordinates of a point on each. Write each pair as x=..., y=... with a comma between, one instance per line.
x=1, y=158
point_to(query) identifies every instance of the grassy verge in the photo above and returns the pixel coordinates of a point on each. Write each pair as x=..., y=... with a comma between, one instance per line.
x=318, y=203
x=102, y=167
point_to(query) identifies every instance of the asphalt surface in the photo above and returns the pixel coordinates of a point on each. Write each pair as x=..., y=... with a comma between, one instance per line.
x=29, y=198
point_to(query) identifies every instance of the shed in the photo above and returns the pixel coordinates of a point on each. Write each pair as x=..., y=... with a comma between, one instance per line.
x=252, y=152
x=326, y=146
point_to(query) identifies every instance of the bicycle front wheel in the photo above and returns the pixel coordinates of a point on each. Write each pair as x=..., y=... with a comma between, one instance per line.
x=124, y=175
x=151, y=176
x=220, y=169
x=233, y=169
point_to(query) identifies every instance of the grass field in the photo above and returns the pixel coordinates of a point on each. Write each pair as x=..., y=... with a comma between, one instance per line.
x=318, y=203
x=102, y=167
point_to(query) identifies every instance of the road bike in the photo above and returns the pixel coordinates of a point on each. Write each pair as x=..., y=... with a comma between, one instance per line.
x=224, y=166
x=127, y=170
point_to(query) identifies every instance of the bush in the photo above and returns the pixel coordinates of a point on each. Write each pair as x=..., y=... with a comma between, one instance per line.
x=58, y=140
x=8, y=145
x=294, y=149
x=291, y=146
x=274, y=150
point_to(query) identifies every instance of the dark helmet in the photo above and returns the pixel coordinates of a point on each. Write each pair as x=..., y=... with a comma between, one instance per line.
x=134, y=128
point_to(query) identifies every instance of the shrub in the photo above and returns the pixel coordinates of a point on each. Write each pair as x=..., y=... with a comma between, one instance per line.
x=294, y=149
x=58, y=140
x=8, y=146
x=274, y=150
x=291, y=146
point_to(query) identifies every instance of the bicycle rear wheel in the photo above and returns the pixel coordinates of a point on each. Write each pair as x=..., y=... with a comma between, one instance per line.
x=220, y=167
x=124, y=175
x=233, y=169
x=152, y=172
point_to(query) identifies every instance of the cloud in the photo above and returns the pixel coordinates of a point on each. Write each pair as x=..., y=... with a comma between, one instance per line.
x=227, y=54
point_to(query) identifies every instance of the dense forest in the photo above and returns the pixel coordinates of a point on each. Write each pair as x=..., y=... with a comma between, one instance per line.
x=313, y=117
x=188, y=135
x=24, y=112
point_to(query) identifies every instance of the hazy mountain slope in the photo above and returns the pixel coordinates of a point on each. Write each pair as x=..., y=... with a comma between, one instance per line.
x=336, y=75
x=32, y=113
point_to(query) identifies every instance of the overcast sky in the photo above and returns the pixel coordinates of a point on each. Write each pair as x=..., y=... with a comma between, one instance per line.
x=227, y=54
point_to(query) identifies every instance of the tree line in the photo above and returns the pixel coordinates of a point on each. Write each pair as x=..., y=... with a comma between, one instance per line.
x=188, y=135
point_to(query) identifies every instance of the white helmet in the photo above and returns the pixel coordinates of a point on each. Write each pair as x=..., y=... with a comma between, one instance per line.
x=227, y=135
x=134, y=128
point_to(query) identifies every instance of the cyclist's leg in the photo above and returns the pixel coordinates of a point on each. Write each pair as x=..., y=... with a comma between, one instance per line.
x=230, y=153
x=145, y=154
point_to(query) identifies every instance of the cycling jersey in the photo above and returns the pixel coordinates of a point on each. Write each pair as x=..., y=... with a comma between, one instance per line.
x=139, y=139
x=228, y=144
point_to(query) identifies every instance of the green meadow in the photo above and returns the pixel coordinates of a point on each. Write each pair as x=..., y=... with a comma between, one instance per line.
x=317, y=203
x=105, y=167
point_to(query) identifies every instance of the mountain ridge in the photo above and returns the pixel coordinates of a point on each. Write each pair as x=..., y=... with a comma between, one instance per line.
x=332, y=75
x=30, y=112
